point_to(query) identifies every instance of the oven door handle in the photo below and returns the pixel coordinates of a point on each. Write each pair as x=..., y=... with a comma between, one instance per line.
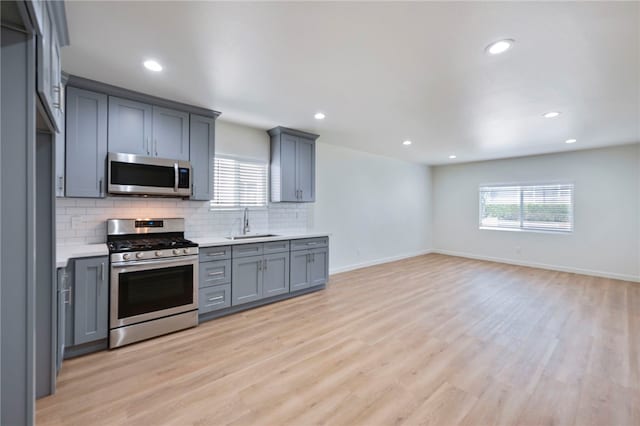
x=143, y=264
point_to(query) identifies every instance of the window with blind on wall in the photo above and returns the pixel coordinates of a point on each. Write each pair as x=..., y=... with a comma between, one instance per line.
x=547, y=207
x=239, y=183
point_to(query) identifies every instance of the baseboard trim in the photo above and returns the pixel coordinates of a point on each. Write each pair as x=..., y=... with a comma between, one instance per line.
x=377, y=262
x=560, y=268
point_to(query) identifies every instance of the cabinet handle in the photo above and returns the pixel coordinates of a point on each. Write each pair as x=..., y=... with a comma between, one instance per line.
x=260, y=266
x=308, y=258
x=56, y=90
x=60, y=183
x=155, y=144
x=100, y=187
x=313, y=257
x=213, y=274
x=213, y=299
x=102, y=268
x=265, y=264
x=67, y=296
x=312, y=244
x=147, y=145
x=218, y=253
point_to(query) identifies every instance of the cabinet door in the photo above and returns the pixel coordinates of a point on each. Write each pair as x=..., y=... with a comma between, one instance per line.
x=86, y=150
x=91, y=300
x=305, y=169
x=59, y=141
x=43, y=46
x=130, y=126
x=201, y=152
x=275, y=274
x=299, y=269
x=319, y=266
x=170, y=134
x=63, y=294
x=288, y=185
x=246, y=280
x=55, y=89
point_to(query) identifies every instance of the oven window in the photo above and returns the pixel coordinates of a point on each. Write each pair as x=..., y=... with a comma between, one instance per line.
x=142, y=292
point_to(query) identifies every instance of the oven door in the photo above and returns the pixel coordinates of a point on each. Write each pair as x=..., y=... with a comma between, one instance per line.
x=135, y=174
x=147, y=290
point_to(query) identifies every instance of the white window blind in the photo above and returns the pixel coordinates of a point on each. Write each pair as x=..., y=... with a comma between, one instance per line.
x=546, y=207
x=238, y=183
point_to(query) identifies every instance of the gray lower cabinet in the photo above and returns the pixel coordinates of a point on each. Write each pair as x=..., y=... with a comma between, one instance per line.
x=201, y=154
x=300, y=276
x=214, y=298
x=246, y=281
x=86, y=148
x=130, y=126
x=90, y=300
x=319, y=266
x=63, y=300
x=309, y=268
x=275, y=274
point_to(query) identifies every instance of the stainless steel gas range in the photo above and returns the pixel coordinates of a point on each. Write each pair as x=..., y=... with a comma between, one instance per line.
x=154, y=279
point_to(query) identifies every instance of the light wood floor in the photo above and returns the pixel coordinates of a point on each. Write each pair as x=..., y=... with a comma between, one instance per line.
x=429, y=340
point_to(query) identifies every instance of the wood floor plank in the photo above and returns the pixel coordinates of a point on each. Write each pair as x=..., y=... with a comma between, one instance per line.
x=432, y=339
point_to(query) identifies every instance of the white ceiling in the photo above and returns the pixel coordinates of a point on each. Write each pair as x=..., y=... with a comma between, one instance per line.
x=383, y=72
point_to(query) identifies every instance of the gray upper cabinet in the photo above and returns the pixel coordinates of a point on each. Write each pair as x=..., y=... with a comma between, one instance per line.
x=293, y=165
x=170, y=134
x=86, y=147
x=246, y=283
x=201, y=153
x=275, y=276
x=130, y=126
x=59, y=141
x=91, y=300
x=52, y=34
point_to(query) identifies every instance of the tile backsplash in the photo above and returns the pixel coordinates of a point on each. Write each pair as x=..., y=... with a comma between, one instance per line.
x=83, y=220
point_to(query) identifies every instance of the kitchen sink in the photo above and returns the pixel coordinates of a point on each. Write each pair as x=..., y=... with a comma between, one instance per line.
x=247, y=237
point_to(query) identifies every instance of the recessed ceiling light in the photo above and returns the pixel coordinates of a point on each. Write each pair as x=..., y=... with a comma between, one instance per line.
x=453, y=157
x=571, y=141
x=499, y=47
x=319, y=116
x=551, y=114
x=407, y=143
x=152, y=65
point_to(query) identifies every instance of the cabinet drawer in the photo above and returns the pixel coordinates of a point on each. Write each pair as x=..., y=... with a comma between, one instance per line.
x=214, y=253
x=214, y=273
x=214, y=298
x=308, y=243
x=276, y=247
x=244, y=250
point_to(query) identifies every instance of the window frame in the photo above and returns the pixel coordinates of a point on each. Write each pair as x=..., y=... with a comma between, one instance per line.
x=245, y=159
x=524, y=185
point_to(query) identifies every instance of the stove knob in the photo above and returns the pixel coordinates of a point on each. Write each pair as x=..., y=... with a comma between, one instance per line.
x=139, y=255
x=158, y=253
x=176, y=252
x=126, y=256
x=185, y=251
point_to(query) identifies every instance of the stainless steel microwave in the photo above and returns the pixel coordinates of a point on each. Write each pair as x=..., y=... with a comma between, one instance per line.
x=139, y=175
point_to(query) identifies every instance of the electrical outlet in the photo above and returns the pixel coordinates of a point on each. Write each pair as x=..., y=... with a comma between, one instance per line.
x=76, y=222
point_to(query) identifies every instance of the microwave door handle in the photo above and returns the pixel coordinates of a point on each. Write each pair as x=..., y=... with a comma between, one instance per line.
x=175, y=178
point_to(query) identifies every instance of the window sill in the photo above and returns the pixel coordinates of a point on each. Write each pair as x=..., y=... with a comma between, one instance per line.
x=535, y=231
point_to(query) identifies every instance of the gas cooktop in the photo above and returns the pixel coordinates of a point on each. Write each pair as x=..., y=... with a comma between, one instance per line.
x=137, y=243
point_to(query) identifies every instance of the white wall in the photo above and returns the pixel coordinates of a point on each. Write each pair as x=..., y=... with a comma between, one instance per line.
x=376, y=208
x=606, y=237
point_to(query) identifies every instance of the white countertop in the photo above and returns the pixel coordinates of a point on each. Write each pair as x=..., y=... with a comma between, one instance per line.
x=212, y=241
x=64, y=253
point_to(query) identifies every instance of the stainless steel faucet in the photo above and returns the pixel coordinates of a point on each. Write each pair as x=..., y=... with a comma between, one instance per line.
x=245, y=222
